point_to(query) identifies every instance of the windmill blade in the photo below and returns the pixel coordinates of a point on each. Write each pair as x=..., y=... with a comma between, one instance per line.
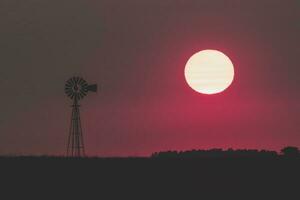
x=69, y=83
x=76, y=80
x=73, y=80
x=68, y=87
x=68, y=91
x=84, y=82
x=83, y=92
x=70, y=95
x=80, y=82
x=85, y=87
x=81, y=95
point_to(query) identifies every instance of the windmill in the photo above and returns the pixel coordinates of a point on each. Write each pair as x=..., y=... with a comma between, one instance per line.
x=76, y=88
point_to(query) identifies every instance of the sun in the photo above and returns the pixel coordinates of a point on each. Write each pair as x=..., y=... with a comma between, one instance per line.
x=209, y=72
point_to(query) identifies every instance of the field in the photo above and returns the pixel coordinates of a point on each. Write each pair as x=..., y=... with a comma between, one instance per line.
x=152, y=177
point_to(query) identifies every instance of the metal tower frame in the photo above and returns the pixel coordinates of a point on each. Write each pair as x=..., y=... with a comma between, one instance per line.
x=75, y=141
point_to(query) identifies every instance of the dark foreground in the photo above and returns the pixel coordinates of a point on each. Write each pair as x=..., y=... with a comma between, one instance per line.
x=155, y=178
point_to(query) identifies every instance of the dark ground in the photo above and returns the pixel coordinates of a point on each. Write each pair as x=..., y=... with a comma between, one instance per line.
x=159, y=178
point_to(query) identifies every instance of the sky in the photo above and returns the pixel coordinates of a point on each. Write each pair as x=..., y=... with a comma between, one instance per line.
x=136, y=51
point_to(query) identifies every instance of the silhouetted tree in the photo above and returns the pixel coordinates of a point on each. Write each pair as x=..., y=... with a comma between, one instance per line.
x=290, y=151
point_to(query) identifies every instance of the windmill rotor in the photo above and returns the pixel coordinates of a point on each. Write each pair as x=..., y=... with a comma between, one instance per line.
x=77, y=88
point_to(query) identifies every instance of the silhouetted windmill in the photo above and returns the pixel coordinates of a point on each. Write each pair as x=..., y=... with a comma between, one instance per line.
x=76, y=88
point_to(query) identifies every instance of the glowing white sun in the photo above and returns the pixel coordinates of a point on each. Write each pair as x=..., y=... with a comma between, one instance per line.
x=209, y=72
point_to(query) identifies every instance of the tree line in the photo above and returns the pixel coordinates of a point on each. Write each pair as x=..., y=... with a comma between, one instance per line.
x=289, y=151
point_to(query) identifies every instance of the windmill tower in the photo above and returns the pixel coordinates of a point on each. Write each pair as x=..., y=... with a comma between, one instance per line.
x=76, y=88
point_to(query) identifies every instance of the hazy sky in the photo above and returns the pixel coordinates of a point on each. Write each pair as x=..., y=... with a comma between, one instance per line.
x=136, y=50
